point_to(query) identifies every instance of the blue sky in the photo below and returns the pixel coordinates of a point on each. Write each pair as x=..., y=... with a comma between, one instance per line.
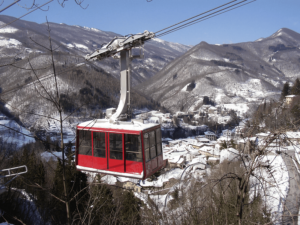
x=259, y=19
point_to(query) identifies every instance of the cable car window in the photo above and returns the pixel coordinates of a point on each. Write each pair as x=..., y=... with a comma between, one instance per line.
x=133, y=147
x=85, y=142
x=152, y=144
x=158, y=141
x=146, y=147
x=99, y=144
x=152, y=138
x=158, y=135
x=146, y=140
x=153, y=152
x=115, y=146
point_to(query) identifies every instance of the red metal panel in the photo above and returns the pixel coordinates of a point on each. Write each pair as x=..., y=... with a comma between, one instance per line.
x=148, y=169
x=118, y=131
x=160, y=160
x=134, y=167
x=153, y=163
x=116, y=165
x=85, y=160
x=100, y=163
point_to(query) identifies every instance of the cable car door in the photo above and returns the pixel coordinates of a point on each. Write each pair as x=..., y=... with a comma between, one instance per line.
x=115, y=152
x=99, y=150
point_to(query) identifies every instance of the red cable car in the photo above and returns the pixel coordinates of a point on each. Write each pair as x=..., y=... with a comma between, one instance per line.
x=112, y=146
x=129, y=149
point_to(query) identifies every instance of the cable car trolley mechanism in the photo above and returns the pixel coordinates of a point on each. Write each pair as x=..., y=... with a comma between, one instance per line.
x=118, y=145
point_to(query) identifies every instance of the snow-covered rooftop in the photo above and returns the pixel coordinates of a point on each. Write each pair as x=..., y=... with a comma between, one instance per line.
x=209, y=133
x=119, y=125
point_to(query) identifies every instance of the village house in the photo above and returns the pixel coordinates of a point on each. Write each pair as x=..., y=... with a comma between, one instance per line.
x=175, y=142
x=212, y=110
x=209, y=151
x=289, y=99
x=203, y=140
x=177, y=162
x=203, y=113
x=293, y=138
x=181, y=114
x=205, y=108
x=128, y=185
x=226, y=133
x=238, y=131
x=197, y=145
x=210, y=135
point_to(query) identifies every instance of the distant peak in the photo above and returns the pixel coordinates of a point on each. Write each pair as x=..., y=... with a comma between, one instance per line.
x=284, y=31
x=203, y=43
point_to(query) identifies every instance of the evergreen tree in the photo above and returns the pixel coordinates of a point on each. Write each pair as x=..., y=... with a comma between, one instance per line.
x=295, y=90
x=129, y=213
x=285, y=91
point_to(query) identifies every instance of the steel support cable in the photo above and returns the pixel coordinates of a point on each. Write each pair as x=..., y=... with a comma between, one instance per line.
x=194, y=16
x=9, y=6
x=201, y=18
x=187, y=25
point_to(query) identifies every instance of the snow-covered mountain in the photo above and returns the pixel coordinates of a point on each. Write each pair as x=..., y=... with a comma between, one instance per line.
x=228, y=73
x=79, y=41
x=82, y=86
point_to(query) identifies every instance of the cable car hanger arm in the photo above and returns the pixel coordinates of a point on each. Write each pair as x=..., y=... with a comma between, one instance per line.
x=119, y=44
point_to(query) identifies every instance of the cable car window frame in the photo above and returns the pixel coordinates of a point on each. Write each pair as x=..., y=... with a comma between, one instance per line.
x=158, y=141
x=101, y=148
x=130, y=142
x=152, y=143
x=146, y=147
x=115, y=151
x=85, y=142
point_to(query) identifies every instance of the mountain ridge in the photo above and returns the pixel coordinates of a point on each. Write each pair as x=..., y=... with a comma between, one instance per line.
x=228, y=73
x=84, y=40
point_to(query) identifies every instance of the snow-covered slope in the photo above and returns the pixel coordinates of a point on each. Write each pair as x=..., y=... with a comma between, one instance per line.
x=228, y=73
x=79, y=41
x=13, y=133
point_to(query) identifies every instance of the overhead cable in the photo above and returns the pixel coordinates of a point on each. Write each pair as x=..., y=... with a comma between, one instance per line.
x=194, y=17
x=202, y=19
x=9, y=5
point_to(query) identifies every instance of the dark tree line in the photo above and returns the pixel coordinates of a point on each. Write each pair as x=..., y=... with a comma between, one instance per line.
x=290, y=90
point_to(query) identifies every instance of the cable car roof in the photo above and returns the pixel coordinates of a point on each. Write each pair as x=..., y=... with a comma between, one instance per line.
x=105, y=125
